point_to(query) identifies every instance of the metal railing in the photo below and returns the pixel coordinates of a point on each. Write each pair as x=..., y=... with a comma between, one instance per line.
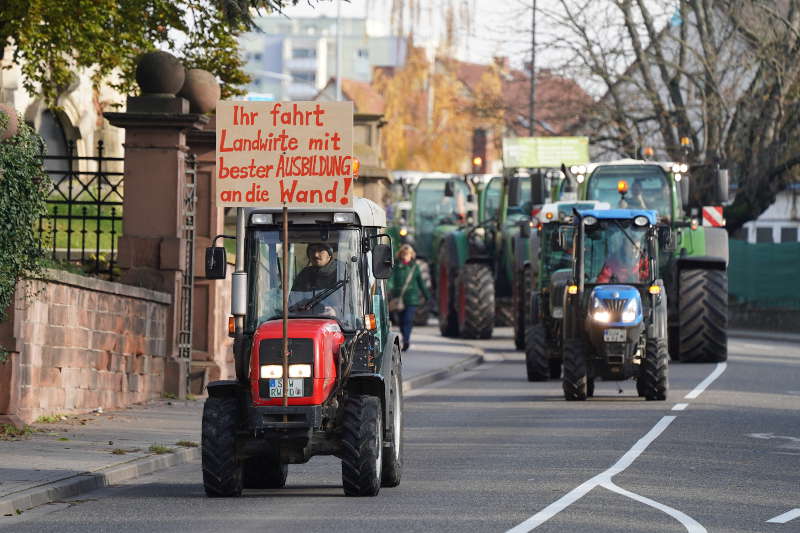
x=84, y=211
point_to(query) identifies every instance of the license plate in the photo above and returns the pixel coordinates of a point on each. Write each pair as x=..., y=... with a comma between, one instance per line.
x=295, y=388
x=614, y=335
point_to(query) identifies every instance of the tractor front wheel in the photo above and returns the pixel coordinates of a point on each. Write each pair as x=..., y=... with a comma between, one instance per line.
x=522, y=299
x=362, y=446
x=536, y=361
x=652, y=383
x=475, y=301
x=703, y=301
x=575, y=382
x=222, y=471
x=393, y=458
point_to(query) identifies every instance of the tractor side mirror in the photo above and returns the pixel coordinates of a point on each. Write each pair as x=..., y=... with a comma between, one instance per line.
x=666, y=239
x=524, y=229
x=723, y=182
x=538, y=189
x=683, y=186
x=449, y=189
x=382, y=261
x=216, y=262
x=514, y=191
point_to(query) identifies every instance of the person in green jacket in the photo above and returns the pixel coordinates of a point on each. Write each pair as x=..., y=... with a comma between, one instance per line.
x=406, y=274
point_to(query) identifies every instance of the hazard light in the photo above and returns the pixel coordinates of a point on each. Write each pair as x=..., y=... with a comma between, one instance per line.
x=369, y=322
x=622, y=186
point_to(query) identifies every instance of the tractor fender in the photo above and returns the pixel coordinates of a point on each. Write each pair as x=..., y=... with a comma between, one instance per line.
x=227, y=388
x=456, y=253
x=702, y=262
x=377, y=383
x=717, y=244
x=658, y=328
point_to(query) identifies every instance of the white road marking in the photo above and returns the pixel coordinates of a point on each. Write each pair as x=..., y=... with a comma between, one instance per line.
x=708, y=381
x=785, y=517
x=691, y=525
x=604, y=479
x=768, y=436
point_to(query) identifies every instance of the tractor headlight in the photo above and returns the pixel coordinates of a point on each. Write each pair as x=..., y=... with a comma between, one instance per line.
x=271, y=371
x=300, y=371
x=599, y=311
x=477, y=240
x=630, y=311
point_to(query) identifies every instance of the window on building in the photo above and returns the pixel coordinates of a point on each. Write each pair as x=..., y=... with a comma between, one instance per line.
x=764, y=235
x=304, y=77
x=363, y=53
x=304, y=53
x=788, y=234
x=257, y=57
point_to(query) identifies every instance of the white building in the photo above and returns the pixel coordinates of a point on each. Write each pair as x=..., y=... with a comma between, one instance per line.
x=293, y=58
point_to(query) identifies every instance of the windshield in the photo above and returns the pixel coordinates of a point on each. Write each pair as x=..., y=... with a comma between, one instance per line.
x=432, y=208
x=648, y=187
x=552, y=258
x=323, y=276
x=615, y=251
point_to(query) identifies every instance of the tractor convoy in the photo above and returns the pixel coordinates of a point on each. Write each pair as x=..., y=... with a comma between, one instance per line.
x=603, y=271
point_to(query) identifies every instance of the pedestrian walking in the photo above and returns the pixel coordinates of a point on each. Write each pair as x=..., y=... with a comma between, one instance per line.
x=407, y=290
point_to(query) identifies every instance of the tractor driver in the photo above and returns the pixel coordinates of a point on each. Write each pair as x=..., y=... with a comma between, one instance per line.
x=320, y=274
x=637, y=196
x=625, y=263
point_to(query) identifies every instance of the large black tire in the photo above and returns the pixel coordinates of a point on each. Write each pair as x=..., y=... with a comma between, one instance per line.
x=555, y=368
x=522, y=299
x=503, y=313
x=575, y=380
x=222, y=471
x=476, y=301
x=393, y=454
x=362, y=446
x=537, y=364
x=423, y=311
x=652, y=383
x=264, y=472
x=445, y=289
x=703, y=301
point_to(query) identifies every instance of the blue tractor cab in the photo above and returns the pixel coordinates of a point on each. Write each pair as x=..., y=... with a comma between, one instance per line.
x=615, y=306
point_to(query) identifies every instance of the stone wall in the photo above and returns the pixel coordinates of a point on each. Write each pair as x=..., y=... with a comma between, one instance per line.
x=82, y=343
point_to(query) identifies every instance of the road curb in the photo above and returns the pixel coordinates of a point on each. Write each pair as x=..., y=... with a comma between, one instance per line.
x=84, y=482
x=443, y=373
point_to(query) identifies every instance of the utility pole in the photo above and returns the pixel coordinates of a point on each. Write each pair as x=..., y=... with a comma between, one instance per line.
x=532, y=103
x=339, y=51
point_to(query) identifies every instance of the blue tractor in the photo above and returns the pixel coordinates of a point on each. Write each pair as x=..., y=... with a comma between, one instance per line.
x=615, y=305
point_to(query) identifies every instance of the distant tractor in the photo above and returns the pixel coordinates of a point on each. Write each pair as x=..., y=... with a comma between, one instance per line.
x=546, y=277
x=695, y=271
x=324, y=378
x=615, y=306
x=476, y=262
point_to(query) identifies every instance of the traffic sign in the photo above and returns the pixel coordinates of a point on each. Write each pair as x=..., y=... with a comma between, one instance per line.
x=542, y=152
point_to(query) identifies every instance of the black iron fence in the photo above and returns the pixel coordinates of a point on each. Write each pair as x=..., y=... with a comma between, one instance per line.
x=84, y=211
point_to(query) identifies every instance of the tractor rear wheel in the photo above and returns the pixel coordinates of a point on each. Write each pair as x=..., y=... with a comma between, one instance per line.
x=445, y=288
x=423, y=310
x=703, y=311
x=393, y=456
x=536, y=361
x=362, y=446
x=222, y=471
x=652, y=383
x=264, y=472
x=475, y=302
x=522, y=299
x=575, y=382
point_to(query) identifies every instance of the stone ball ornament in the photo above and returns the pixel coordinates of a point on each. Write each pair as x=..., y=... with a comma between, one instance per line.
x=160, y=73
x=8, y=122
x=201, y=89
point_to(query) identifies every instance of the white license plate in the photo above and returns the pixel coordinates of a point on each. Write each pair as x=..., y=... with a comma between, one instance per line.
x=295, y=388
x=614, y=335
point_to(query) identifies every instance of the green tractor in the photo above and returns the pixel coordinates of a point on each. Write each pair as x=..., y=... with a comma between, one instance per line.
x=546, y=277
x=695, y=272
x=615, y=306
x=474, y=269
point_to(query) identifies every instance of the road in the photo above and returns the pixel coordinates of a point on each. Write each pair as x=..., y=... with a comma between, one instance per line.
x=488, y=451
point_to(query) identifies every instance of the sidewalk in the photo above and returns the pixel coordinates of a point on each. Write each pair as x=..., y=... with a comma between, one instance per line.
x=81, y=453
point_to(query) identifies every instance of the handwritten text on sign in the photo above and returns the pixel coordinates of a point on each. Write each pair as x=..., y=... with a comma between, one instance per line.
x=297, y=153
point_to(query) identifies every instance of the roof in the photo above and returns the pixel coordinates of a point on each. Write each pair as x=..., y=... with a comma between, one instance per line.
x=627, y=214
x=368, y=212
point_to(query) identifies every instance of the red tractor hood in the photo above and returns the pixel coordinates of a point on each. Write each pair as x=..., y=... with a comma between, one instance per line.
x=314, y=341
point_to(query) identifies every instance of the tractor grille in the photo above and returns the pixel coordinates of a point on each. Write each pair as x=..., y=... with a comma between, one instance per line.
x=270, y=352
x=615, y=305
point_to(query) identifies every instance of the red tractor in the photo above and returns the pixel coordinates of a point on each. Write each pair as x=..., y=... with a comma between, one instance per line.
x=324, y=378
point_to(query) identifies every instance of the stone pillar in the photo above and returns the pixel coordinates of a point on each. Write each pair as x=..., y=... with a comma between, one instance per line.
x=152, y=247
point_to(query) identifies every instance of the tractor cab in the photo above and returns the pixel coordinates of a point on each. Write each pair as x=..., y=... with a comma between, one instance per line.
x=318, y=369
x=615, y=308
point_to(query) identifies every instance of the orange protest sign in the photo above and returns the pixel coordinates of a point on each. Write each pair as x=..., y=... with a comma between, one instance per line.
x=276, y=153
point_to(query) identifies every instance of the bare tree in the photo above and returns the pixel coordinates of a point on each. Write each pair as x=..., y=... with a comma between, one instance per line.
x=722, y=73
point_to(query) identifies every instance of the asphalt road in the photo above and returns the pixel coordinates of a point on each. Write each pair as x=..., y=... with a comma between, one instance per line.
x=489, y=451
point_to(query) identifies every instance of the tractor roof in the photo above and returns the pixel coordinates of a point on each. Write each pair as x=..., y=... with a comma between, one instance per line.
x=665, y=165
x=368, y=212
x=620, y=214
